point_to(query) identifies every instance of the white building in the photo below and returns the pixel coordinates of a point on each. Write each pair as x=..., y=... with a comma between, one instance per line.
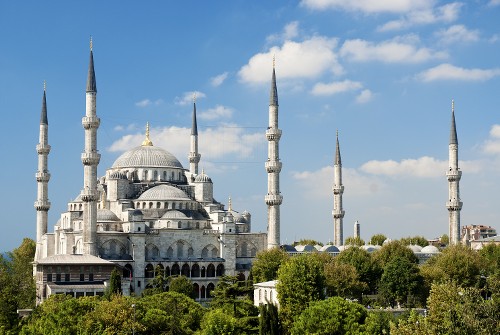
x=265, y=293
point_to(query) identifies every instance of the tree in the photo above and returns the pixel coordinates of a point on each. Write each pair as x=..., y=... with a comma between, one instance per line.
x=378, y=322
x=159, y=284
x=444, y=239
x=115, y=284
x=378, y=239
x=415, y=240
x=181, y=284
x=343, y=280
x=332, y=316
x=218, y=322
x=306, y=241
x=269, y=322
x=394, y=249
x=266, y=264
x=415, y=324
x=400, y=280
x=355, y=241
x=369, y=271
x=491, y=256
x=301, y=280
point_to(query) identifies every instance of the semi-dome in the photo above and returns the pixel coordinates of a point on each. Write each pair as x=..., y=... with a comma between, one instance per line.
x=104, y=214
x=146, y=156
x=430, y=249
x=174, y=214
x=164, y=192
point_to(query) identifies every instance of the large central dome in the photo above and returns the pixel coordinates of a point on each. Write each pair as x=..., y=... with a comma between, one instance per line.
x=146, y=156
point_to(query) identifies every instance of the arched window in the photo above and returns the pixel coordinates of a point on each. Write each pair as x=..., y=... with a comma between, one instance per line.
x=190, y=252
x=167, y=271
x=210, y=288
x=179, y=224
x=145, y=175
x=155, y=175
x=180, y=205
x=128, y=272
x=180, y=249
x=253, y=252
x=149, y=272
x=196, y=291
x=164, y=175
x=244, y=249
x=158, y=204
x=150, y=205
x=215, y=253
x=185, y=270
x=202, y=292
x=176, y=270
x=173, y=205
x=204, y=253
x=170, y=252
x=112, y=246
x=195, y=271
x=220, y=270
x=211, y=270
x=202, y=272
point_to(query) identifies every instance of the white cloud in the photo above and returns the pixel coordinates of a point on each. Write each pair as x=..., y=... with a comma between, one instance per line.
x=391, y=51
x=369, y=6
x=492, y=145
x=457, y=33
x=216, y=113
x=446, y=13
x=147, y=102
x=335, y=87
x=451, y=72
x=187, y=97
x=494, y=3
x=306, y=59
x=218, y=80
x=290, y=31
x=364, y=97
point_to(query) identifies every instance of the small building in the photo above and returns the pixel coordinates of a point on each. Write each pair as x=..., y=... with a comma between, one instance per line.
x=265, y=293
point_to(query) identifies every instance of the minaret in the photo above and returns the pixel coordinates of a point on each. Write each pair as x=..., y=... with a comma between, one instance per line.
x=338, y=189
x=453, y=174
x=273, y=167
x=42, y=204
x=357, y=230
x=194, y=156
x=90, y=160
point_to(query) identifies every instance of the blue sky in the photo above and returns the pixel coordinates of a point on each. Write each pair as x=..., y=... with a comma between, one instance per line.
x=381, y=72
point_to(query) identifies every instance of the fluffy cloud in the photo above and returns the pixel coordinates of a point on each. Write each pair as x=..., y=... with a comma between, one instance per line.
x=218, y=80
x=187, y=97
x=335, y=87
x=457, y=33
x=369, y=6
x=451, y=72
x=146, y=102
x=392, y=51
x=492, y=145
x=364, y=97
x=446, y=13
x=290, y=31
x=216, y=113
x=306, y=59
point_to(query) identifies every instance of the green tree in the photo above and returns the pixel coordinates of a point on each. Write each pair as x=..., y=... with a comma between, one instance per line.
x=266, y=264
x=343, y=280
x=159, y=284
x=400, y=280
x=369, y=271
x=415, y=324
x=269, y=322
x=306, y=241
x=415, y=240
x=444, y=239
x=391, y=250
x=301, y=280
x=218, y=322
x=181, y=284
x=490, y=253
x=378, y=239
x=355, y=241
x=332, y=316
x=378, y=322
x=115, y=284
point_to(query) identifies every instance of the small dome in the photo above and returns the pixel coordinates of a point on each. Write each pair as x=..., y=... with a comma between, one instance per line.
x=305, y=248
x=370, y=248
x=202, y=178
x=164, y=192
x=387, y=241
x=106, y=215
x=415, y=248
x=146, y=156
x=344, y=247
x=137, y=212
x=174, y=214
x=430, y=249
x=329, y=248
x=288, y=248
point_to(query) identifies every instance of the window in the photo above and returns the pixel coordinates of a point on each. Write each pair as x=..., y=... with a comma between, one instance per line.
x=58, y=277
x=49, y=277
x=91, y=277
x=67, y=277
x=82, y=276
x=138, y=283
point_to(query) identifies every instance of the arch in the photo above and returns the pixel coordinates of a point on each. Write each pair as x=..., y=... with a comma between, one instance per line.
x=215, y=252
x=128, y=272
x=204, y=253
x=149, y=271
x=210, y=288
x=167, y=271
x=79, y=247
x=253, y=252
x=190, y=252
x=179, y=224
x=150, y=205
x=152, y=251
x=185, y=270
x=244, y=249
x=155, y=175
x=203, y=272
x=158, y=204
x=164, y=175
x=176, y=270
x=195, y=270
x=211, y=270
x=196, y=291
x=220, y=270
x=202, y=292
x=170, y=252
x=180, y=249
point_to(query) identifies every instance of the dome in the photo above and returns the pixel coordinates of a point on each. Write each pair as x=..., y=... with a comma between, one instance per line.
x=202, y=178
x=370, y=248
x=146, y=156
x=137, y=212
x=164, y=192
x=387, y=241
x=329, y=248
x=174, y=214
x=305, y=248
x=415, y=248
x=106, y=215
x=430, y=249
x=288, y=248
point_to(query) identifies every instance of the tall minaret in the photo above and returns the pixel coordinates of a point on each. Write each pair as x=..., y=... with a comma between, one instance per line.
x=194, y=156
x=453, y=174
x=273, y=168
x=338, y=189
x=90, y=160
x=42, y=204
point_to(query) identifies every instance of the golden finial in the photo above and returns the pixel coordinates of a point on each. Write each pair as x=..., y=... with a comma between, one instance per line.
x=147, y=141
x=229, y=205
x=91, y=44
x=274, y=61
x=453, y=106
x=44, y=85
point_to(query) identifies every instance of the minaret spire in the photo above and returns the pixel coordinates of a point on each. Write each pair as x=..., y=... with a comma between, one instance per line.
x=273, y=167
x=338, y=189
x=194, y=156
x=453, y=175
x=42, y=204
x=90, y=160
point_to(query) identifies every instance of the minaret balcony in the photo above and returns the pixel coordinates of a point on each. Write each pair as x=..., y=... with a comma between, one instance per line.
x=273, y=166
x=454, y=205
x=91, y=122
x=273, y=134
x=91, y=158
x=338, y=214
x=338, y=189
x=453, y=175
x=89, y=195
x=273, y=200
x=43, y=149
x=42, y=177
x=194, y=157
x=42, y=205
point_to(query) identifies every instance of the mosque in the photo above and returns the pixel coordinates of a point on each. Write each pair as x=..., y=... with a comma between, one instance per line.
x=146, y=214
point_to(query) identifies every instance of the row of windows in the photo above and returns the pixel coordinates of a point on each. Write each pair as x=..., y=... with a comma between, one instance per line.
x=153, y=252
x=194, y=271
x=166, y=205
x=60, y=277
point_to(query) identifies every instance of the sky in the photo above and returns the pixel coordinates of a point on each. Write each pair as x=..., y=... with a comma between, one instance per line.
x=383, y=73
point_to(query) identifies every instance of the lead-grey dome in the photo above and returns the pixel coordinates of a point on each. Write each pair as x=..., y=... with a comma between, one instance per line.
x=164, y=192
x=104, y=214
x=174, y=214
x=146, y=156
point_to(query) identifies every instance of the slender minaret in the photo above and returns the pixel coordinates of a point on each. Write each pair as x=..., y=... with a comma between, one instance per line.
x=90, y=160
x=453, y=174
x=42, y=204
x=338, y=189
x=273, y=167
x=357, y=229
x=194, y=156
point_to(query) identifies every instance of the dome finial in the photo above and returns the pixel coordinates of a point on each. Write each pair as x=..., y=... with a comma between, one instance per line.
x=44, y=86
x=91, y=45
x=274, y=61
x=194, y=97
x=147, y=141
x=452, y=106
x=229, y=205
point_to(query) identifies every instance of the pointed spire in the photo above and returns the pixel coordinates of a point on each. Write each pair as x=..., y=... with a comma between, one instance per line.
x=147, y=142
x=453, y=131
x=273, y=99
x=194, y=127
x=91, y=84
x=229, y=205
x=43, y=117
x=338, y=160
